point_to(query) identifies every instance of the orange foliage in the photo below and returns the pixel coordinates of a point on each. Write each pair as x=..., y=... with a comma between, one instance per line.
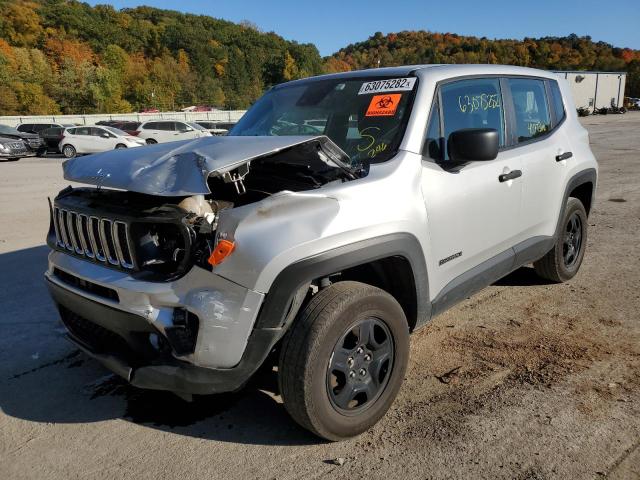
x=59, y=50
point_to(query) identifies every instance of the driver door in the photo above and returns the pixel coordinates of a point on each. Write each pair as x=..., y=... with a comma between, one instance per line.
x=472, y=211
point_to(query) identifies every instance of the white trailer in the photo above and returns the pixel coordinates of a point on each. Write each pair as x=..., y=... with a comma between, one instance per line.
x=596, y=89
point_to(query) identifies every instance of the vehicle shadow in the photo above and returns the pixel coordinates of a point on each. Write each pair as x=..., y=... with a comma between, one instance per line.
x=59, y=384
x=522, y=277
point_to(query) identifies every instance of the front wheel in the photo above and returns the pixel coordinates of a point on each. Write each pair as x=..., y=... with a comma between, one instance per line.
x=151, y=141
x=342, y=363
x=69, y=151
x=564, y=260
x=120, y=146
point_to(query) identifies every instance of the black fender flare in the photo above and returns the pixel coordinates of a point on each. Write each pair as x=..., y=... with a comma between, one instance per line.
x=281, y=297
x=585, y=176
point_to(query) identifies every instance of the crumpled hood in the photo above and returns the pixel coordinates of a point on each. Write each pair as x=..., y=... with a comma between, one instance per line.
x=179, y=168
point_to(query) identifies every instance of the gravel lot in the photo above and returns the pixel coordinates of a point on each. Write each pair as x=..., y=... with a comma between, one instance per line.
x=545, y=382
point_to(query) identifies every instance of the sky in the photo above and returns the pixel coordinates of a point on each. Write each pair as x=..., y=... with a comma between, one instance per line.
x=331, y=24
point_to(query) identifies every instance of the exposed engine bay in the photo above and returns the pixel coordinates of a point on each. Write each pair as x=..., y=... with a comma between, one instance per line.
x=158, y=238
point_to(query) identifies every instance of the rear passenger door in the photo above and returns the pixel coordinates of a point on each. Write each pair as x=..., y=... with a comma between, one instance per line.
x=473, y=215
x=539, y=142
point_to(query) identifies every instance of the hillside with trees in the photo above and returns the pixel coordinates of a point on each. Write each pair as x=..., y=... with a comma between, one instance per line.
x=64, y=56
x=549, y=53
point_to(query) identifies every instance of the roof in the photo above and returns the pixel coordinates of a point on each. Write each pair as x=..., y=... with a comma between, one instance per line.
x=442, y=69
x=590, y=72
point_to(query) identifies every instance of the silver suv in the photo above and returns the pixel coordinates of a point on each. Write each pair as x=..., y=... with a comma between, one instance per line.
x=342, y=213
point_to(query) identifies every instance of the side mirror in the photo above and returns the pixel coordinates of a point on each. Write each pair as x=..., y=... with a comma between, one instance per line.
x=473, y=144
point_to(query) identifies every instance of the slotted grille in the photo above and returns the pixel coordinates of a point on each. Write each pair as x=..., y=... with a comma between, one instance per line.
x=103, y=239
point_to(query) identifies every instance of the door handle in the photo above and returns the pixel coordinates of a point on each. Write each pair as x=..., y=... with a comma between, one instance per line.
x=510, y=176
x=563, y=156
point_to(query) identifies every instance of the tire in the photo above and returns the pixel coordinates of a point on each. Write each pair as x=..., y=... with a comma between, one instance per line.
x=324, y=342
x=120, y=146
x=151, y=141
x=563, y=261
x=69, y=151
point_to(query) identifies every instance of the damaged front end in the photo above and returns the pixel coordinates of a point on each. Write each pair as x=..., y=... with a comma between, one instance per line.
x=163, y=218
x=133, y=267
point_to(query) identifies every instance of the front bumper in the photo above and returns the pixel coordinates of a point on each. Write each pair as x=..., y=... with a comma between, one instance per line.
x=168, y=374
x=17, y=154
x=112, y=317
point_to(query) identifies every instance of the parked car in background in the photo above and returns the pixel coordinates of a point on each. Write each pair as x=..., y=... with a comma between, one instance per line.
x=13, y=149
x=79, y=140
x=212, y=127
x=161, y=131
x=38, y=127
x=125, y=125
x=32, y=141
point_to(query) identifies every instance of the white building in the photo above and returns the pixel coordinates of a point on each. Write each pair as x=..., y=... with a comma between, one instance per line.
x=596, y=89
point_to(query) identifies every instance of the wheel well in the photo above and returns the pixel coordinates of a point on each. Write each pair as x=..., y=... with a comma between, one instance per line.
x=393, y=275
x=584, y=193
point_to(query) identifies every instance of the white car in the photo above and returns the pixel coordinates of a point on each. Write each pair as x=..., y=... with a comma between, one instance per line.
x=79, y=140
x=161, y=131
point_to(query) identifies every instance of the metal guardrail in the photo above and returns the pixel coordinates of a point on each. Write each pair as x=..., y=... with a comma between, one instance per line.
x=230, y=116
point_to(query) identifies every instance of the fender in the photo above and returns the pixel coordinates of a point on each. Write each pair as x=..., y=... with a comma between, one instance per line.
x=281, y=297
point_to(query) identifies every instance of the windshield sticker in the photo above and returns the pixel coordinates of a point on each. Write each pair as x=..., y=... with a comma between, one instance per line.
x=394, y=84
x=472, y=103
x=383, y=105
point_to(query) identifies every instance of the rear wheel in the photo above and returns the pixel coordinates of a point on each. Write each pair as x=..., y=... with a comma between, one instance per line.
x=69, y=151
x=151, y=141
x=120, y=146
x=343, y=361
x=564, y=260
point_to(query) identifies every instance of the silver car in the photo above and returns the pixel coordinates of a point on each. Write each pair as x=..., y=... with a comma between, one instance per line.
x=341, y=215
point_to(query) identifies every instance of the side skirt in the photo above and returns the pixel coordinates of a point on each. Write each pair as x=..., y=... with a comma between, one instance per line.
x=490, y=271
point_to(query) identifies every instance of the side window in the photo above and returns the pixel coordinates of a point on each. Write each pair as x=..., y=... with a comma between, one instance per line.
x=25, y=127
x=150, y=126
x=96, y=132
x=181, y=127
x=83, y=131
x=71, y=131
x=167, y=126
x=475, y=103
x=556, y=101
x=531, y=108
x=432, y=142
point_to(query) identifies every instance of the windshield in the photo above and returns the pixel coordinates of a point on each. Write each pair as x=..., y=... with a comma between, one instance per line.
x=365, y=117
x=117, y=131
x=9, y=130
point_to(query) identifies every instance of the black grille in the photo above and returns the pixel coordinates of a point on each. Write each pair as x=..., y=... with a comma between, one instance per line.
x=86, y=286
x=98, y=339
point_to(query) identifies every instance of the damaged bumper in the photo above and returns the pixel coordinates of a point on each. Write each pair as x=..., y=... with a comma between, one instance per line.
x=137, y=329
